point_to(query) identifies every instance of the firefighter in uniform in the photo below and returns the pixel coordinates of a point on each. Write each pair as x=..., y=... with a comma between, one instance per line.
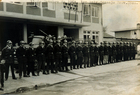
x=110, y=53
x=65, y=56
x=134, y=51
x=96, y=52
x=125, y=51
x=22, y=59
x=121, y=52
x=40, y=54
x=72, y=55
x=50, y=57
x=31, y=53
x=92, y=54
x=106, y=53
x=8, y=56
x=101, y=53
x=114, y=52
x=79, y=54
x=118, y=51
x=2, y=62
x=58, y=56
x=86, y=54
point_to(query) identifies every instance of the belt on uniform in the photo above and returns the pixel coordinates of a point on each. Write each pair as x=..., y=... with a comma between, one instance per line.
x=32, y=55
x=23, y=55
x=42, y=53
x=10, y=55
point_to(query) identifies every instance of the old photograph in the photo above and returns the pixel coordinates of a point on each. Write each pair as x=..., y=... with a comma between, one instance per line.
x=69, y=47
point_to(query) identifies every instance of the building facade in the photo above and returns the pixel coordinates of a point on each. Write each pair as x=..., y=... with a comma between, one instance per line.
x=82, y=21
x=108, y=38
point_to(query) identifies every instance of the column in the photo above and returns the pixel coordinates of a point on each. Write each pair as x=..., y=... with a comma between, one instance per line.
x=80, y=34
x=60, y=32
x=25, y=33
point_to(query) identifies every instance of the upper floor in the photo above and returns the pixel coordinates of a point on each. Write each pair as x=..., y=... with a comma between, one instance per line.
x=62, y=13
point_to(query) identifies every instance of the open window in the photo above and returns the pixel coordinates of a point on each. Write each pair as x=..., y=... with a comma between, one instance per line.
x=48, y=5
x=33, y=4
x=86, y=9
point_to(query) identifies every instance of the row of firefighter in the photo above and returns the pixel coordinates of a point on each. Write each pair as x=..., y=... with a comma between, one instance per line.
x=54, y=55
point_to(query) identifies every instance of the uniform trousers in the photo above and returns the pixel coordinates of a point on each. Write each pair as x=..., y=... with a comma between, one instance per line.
x=22, y=65
x=7, y=65
x=79, y=62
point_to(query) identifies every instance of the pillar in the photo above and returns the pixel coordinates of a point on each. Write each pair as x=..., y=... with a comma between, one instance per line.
x=60, y=32
x=25, y=33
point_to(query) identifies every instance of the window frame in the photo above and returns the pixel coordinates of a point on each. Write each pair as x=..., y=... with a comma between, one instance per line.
x=88, y=13
x=95, y=8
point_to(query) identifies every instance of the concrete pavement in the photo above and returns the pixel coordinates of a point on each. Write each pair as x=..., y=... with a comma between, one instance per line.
x=51, y=79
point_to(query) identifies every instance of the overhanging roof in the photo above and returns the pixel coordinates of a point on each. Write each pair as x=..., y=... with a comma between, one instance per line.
x=106, y=35
x=125, y=30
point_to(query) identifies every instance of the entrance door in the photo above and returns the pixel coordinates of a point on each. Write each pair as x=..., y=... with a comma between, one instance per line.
x=74, y=33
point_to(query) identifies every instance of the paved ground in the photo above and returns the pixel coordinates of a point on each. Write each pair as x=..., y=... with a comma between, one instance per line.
x=113, y=79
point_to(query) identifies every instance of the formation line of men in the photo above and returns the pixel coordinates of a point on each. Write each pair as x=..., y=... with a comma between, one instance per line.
x=52, y=56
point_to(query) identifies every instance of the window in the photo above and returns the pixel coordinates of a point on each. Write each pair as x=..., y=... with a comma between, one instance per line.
x=85, y=37
x=88, y=32
x=71, y=6
x=34, y=4
x=135, y=33
x=93, y=32
x=86, y=10
x=96, y=32
x=48, y=5
x=95, y=11
x=84, y=32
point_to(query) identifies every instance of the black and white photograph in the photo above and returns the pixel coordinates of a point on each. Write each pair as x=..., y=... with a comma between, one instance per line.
x=69, y=47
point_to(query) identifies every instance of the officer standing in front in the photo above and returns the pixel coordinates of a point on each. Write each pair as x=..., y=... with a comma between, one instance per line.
x=40, y=54
x=72, y=55
x=22, y=59
x=8, y=56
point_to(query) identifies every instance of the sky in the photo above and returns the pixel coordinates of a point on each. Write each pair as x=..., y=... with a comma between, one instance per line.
x=121, y=16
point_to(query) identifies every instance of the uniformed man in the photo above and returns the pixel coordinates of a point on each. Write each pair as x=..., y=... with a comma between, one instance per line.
x=31, y=53
x=50, y=57
x=118, y=51
x=125, y=51
x=92, y=54
x=65, y=56
x=121, y=52
x=106, y=53
x=2, y=62
x=101, y=53
x=86, y=54
x=79, y=54
x=114, y=52
x=110, y=52
x=40, y=54
x=134, y=51
x=22, y=59
x=58, y=56
x=96, y=53
x=8, y=57
x=72, y=55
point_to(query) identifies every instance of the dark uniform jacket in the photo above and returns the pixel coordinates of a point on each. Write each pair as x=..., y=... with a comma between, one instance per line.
x=31, y=53
x=64, y=51
x=57, y=51
x=50, y=52
x=114, y=52
x=85, y=51
x=105, y=50
x=110, y=50
x=8, y=55
x=79, y=51
x=91, y=48
x=71, y=51
x=101, y=50
x=40, y=53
